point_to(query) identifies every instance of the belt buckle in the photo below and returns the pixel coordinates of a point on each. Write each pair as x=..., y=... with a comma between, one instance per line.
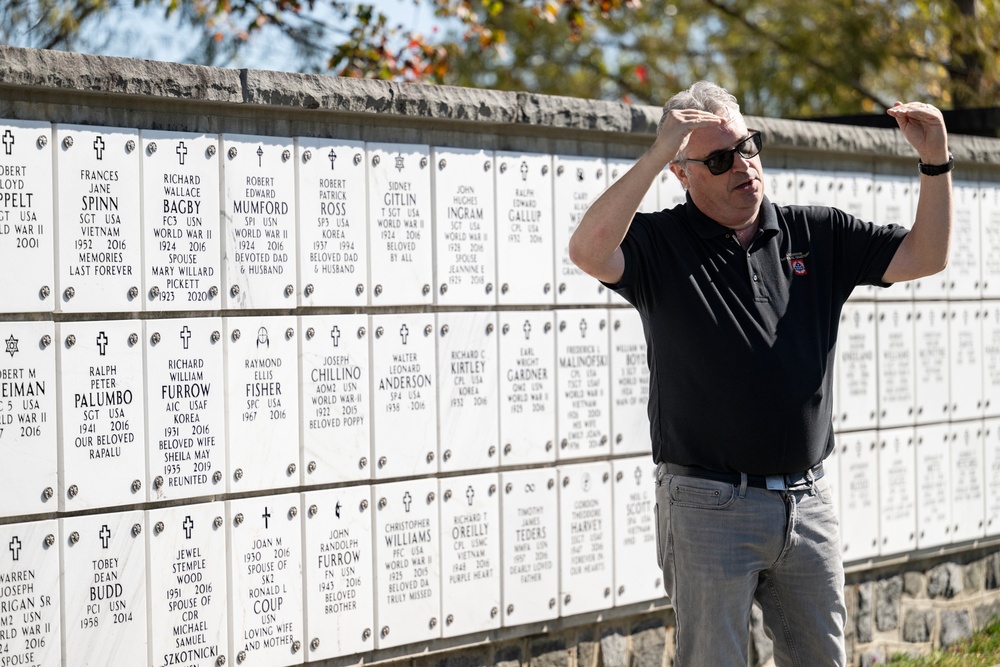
x=775, y=483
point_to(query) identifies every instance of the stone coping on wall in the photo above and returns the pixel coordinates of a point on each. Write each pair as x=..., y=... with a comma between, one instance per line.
x=82, y=78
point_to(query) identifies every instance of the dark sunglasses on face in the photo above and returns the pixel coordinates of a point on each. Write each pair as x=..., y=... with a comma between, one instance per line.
x=720, y=162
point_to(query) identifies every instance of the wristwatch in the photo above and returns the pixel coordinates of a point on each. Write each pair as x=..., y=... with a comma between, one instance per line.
x=937, y=169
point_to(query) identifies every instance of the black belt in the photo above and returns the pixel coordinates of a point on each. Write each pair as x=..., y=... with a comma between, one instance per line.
x=773, y=482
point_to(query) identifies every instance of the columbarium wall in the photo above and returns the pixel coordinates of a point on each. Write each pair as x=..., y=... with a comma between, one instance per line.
x=296, y=369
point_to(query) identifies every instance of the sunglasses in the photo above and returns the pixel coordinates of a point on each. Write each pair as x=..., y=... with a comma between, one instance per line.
x=720, y=162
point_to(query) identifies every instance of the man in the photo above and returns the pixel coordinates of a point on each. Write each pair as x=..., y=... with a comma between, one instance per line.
x=740, y=301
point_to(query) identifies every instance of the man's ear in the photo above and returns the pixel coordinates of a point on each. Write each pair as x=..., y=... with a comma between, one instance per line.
x=679, y=172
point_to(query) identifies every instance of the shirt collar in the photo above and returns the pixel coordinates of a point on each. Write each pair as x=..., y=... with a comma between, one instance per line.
x=708, y=228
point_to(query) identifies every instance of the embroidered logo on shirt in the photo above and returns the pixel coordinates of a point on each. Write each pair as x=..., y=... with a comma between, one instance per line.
x=797, y=260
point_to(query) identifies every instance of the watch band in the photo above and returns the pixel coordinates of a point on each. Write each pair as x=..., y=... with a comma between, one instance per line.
x=937, y=169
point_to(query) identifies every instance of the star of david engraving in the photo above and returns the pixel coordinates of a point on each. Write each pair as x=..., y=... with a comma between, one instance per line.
x=12, y=346
x=399, y=162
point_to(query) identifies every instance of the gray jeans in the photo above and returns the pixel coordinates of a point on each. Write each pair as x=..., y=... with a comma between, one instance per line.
x=723, y=546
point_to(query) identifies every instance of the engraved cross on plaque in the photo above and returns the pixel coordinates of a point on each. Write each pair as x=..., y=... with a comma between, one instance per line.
x=188, y=526
x=470, y=493
x=336, y=509
x=583, y=328
x=260, y=156
x=99, y=147
x=524, y=171
x=333, y=158
x=266, y=515
x=15, y=547
x=186, y=336
x=403, y=333
x=407, y=499
x=527, y=329
x=181, y=152
x=638, y=475
x=105, y=535
x=8, y=145
x=102, y=343
x=335, y=335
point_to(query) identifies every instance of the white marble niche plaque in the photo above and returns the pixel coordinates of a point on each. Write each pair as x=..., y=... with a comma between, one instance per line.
x=524, y=228
x=103, y=589
x=629, y=384
x=28, y=418
x=265, y=581
x=855, y=194
x=407, y=562
x=991, y=358
x=333, y=234
x=894, y=206
x=989, y=213
x=99, y=247
x=859, y=495
x=188, y=592
x=964, y=263
x=965, y=335
x=263, y=394
x=637, y=576
x=260, y=256
x=102, y=456
x=618, y=168
x=336, y=398
x=780, y=186
x=404, y=394
x=583, y=382
x=933, y=485
x=896, y=365
x=339, y=580
x=530, y=575
x=181, y=229
x=933, y=368
x=968, y=503
x=670, y=192
x=586, y=563
x=32, y=620
x=991, y=474
x=465, y=223
x=399, y=224
x=27, y=225
x=897, y=490
x=185, y=408
x=468, y=373
x=815, y=188
x=857, y=399
x=578, y=181
x=470, y=554
x=527, y=387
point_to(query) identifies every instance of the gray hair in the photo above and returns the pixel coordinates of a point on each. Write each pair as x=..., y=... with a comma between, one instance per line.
x=703, y=96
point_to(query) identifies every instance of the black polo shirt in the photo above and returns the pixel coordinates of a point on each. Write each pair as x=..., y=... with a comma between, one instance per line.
x=741, y=342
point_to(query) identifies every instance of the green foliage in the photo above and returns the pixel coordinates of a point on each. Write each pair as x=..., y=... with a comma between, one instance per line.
x=980, y=650
x=780, y=57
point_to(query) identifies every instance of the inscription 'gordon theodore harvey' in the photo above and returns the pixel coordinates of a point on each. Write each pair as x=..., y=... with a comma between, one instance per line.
x=99, y=252
x=260, y=257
